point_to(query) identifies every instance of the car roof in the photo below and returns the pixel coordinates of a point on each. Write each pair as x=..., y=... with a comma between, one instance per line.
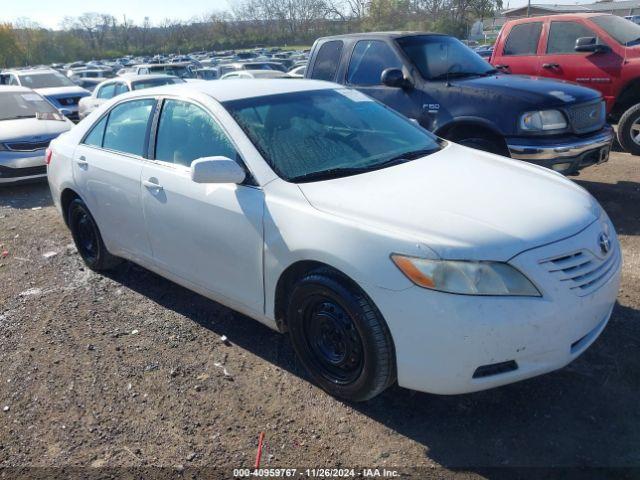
x=31, y=71
x=14, y=89
x=241, y=88
x=559, y=17
x=393, y=34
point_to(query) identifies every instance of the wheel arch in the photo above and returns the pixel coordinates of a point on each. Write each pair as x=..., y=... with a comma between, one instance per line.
x=628, y=97
x=453, y=130
x=67, y=196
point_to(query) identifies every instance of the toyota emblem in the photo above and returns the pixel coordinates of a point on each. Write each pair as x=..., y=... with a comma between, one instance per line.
x=605, y=243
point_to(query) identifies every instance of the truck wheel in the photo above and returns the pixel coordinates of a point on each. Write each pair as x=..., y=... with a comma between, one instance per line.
x=340, y=337
x=88, y=239
x=629, y=130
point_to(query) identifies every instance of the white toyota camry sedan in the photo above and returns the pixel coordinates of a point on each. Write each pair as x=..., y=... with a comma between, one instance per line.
x=388, y=255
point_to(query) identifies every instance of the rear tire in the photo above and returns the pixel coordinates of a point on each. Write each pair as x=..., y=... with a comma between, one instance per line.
x=629, y=130
x=340, y=337
x=87, y=238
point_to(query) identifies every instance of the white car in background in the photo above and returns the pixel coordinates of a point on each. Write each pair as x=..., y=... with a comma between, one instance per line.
x=51, y=84
x=117, y=86
x=28, y=123
x=253, y=74
x=387, y=253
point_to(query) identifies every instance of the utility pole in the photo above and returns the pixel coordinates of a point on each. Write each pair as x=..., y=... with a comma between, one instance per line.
x=528, y=7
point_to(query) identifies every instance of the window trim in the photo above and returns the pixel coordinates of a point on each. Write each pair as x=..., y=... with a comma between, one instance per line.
x=107, y=114
x=390, y=45
x=540, y=36
x=548, y=37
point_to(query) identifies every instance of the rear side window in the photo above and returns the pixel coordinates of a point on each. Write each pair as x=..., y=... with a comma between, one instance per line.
x=121, y=88
x=369, y=59
x=187, y=132
x=107, y=91
x=127, y=127
x=327, y=61
x=523, y=39
x=96, y=135
x=563, y=36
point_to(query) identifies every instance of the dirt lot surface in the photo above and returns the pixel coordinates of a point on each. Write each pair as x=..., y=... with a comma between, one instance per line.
x=128, y=370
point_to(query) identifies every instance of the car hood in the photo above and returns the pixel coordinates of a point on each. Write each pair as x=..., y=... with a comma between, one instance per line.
x=537, y=91
x=461, y=203
x=58, y=91
x=32, y=128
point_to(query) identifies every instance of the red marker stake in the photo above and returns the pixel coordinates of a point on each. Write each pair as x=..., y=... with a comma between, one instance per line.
x=259, y=454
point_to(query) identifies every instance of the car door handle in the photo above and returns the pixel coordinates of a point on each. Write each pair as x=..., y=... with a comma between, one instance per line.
x=501, y=66
x=151, y=186
x=550, y=65
x=82, y=161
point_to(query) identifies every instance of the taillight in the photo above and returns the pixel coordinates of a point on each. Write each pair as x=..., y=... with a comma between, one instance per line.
x=47, y=156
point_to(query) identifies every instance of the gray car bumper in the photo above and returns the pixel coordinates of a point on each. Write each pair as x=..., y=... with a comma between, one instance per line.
x=562, y=155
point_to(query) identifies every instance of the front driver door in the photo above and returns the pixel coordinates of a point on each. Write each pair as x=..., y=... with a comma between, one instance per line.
x=208, y=234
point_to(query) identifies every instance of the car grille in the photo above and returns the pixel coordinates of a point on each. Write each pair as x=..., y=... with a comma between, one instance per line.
x=27, y=146
x=582, y=271
x=587, y=117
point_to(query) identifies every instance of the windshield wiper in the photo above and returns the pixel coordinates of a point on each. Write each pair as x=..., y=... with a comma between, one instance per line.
x=444, y=76
x=347, y=171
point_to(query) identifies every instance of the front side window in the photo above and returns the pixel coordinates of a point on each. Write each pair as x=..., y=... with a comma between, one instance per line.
x=563, y=36
x=523, y=39
x=14, y=105
x=187, y=132
x=327, y=61
x=440, y=57
x=121, y=88
x=623, y=31
x=313, y=135
x=127, y=127
x=369, y=59
x=107, y=91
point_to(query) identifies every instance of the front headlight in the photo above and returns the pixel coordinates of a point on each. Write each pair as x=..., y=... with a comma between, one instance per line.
x=468, y=278
x=543, y=120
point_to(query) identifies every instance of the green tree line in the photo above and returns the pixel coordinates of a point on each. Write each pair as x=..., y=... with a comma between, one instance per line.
x=249, y=23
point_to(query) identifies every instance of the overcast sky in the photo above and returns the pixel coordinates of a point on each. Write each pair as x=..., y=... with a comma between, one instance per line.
x=50, y=13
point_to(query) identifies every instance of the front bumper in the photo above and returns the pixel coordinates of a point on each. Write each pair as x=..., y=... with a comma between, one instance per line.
x=18, y=167
x=564, y=155
x=452, y=344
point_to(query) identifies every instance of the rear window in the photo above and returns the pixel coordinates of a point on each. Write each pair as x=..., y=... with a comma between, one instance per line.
x=523, y=39
x=327, y=60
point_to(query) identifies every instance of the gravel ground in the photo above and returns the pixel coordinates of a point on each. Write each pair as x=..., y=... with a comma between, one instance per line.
x=128, y=371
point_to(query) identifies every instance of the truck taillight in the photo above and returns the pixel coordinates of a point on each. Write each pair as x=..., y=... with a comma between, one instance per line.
x=47, y=156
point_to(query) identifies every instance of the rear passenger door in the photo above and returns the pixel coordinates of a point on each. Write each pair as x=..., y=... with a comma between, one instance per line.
x=369, y=59
x=518, y=53
x=207, y=234
x=106, y=168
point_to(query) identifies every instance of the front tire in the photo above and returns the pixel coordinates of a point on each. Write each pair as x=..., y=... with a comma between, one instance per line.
x=340, y=337
x=87, y=238
x=629, y=130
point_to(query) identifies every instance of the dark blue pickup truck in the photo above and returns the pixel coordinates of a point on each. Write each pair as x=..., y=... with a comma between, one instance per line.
x=453, y=92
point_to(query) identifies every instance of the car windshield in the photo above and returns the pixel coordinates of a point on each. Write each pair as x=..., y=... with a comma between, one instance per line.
x=14, y=105
x=322, y=134
x=157, y=82
x=45, y=80
x=623, y=31
x=440, y=57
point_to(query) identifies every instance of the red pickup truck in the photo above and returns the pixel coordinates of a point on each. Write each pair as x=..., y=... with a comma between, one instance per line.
x=592, y=49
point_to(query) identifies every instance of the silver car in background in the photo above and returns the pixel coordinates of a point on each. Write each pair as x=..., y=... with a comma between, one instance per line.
x=28, y=123
x=117, y=86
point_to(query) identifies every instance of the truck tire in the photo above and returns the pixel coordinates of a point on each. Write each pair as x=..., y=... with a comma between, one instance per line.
x=629, y=130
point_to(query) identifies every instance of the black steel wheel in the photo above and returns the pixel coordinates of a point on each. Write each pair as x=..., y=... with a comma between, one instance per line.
x=87, y=238
x=340, y=336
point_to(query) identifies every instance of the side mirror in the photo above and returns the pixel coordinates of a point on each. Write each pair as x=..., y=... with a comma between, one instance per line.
x=393, y=77
x=217, y=170
x=590, y=44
